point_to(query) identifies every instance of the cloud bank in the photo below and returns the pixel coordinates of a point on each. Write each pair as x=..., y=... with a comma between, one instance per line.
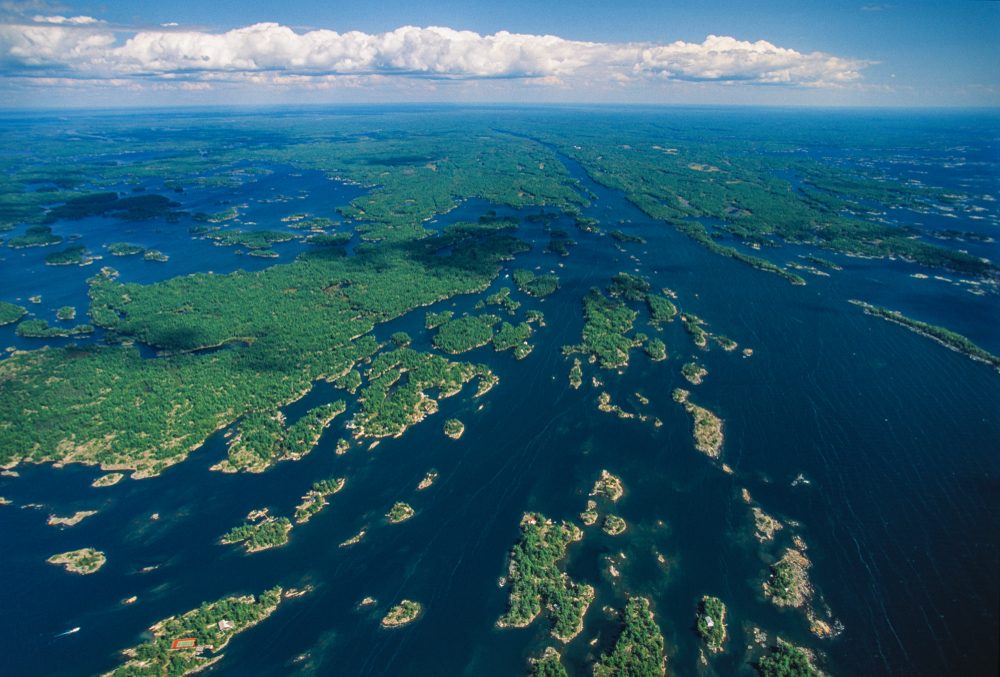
x=84, y=48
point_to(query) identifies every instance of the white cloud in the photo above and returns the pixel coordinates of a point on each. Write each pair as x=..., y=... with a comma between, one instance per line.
x=86, y=48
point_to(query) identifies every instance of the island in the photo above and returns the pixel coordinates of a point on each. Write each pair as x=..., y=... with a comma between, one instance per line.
x=108, y=480
x=606, y=325
x=614, y=525
x=787, y=660
x=693, y=326
x=639, y=649
x=156, y=256
x=34, y=236
x=547, y=665
x=66, y=313
x=191, y=642
x=37, y=328
x=656, y=349
x=707, y=429
x=661, y=309
x=537, y=583
x=263, y=439
x=402, y=614
x=400, y=512
x=502, y=299
x=72, y=520
x=765, y=526
x=535, y=285
x=454, y=428
x=354, y=540
x=465, y=333
x=576, y=374
x=124, y=249
x=75, y=255
x=11, y=313
x=609, y=486
x=429, y=478
x=589, y=516
x=83, y=561
x=788, y=584
x=434, y=320
x=694, y=373
x=945, y=337
x=711, y=622
x=510, y=336
x=264, y=533
x=315, y=499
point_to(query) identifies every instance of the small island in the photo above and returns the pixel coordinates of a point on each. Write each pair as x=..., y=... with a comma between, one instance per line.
x=656, y=349
x=547, y=665
x=429, y=478
x=156, y=256
x=402, y=614
x=11, y=313
x=764, y=525
x=400, y=512
x=711, y=622
x=537, y=583
x=707, y=430
x=639, y=647
x=614, y=525
x=694, y=373
x=454, y=428
x=576, y=374
x=191, y=642
x=945, y=337
x=72, y=520
x=66, y=313
x=788, y=584
x=263, y=534
x=108, y=480
x=589, y=516
x=354, y=540
x=124, y=249
x=34, y=236
x=315, y=499
x=84, y=561
x=787, y=660
x=535, y=285
x=609, y=486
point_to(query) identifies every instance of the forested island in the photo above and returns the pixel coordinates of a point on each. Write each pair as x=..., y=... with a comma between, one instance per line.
x=536, y=581
x=639, y=647
x=191, y=642
x=403, y=613
x=83, y=561
x=945, y=337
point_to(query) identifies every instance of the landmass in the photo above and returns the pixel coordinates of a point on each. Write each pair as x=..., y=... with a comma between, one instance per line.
x=547, y=665
x=537, y=583
x=84, y=561
x=262, y=534
x=609, y=486
x=576, y=374
x=639, y=649
x=788, y=584
x=765, y=526
x=606, y=323
x=403, y=613
x=465, y=333
x=707, y=429
x=11, y=312
x=429, y=478
x=400, y=512
x=589, y=516
x=711, y=623
x=531, y=284
x=66, y=313
x=191, y=642
x=315, y=499
x=787, y=660
x=454, y=428
x=614, y=525
x=72, y=520
x=108, y=480
x=694, y=373
x=945, y=337
x=354, y=540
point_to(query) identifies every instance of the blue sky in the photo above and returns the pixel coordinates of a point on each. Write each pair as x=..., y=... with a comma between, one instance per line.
x=252, y=51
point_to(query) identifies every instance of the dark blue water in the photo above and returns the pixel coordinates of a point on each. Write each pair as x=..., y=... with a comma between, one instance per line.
x=897, y=435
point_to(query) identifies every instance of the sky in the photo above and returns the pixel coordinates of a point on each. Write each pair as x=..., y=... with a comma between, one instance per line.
x=112, y=53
